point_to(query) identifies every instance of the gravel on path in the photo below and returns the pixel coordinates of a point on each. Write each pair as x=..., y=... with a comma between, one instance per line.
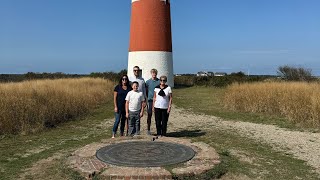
x=302, y=145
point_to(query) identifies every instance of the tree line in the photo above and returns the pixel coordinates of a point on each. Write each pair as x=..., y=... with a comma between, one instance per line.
x=286, y=72
x=114, y=76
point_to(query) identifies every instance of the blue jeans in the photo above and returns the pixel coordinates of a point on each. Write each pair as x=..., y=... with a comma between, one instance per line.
x=150, y=103
x=134, y=122
x=119, y=116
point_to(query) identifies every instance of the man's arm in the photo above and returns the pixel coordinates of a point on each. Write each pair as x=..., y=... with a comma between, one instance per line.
x=142, y=108
x=144, y=85
x=147, y=90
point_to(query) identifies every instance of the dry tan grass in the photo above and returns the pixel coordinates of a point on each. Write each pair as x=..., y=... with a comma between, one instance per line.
x=30, y=106
x=298, y=101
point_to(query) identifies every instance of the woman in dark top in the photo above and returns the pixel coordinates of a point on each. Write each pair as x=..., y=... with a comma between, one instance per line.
x=120, y=93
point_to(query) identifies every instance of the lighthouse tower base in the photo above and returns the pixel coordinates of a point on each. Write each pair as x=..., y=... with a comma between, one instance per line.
x=147, y=60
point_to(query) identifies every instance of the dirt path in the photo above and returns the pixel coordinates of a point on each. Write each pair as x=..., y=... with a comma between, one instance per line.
x=303, y=145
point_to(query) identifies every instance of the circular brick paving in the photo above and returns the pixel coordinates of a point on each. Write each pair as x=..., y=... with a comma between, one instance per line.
x=145, y=154
x=85, y=161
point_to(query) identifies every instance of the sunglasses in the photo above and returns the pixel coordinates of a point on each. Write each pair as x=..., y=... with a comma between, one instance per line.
x=124, y=79
x=135, y=70
x=163, y=80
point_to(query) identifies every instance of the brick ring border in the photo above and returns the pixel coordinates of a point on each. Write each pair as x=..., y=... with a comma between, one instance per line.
x=85, y=162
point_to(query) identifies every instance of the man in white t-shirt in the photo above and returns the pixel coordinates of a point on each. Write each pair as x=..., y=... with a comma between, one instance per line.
x=140, y=80
x=134, y=108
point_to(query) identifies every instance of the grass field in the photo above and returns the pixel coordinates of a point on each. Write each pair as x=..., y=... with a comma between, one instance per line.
x=243, y=158
x=28, y=107
x=210, y=101
x=18, y=153
x=299, y=102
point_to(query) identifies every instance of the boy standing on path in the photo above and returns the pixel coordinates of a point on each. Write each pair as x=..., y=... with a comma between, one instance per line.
x=134, y=108
x=150, y=85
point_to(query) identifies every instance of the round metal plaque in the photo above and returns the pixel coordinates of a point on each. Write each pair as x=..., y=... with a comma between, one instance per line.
x=145, y=154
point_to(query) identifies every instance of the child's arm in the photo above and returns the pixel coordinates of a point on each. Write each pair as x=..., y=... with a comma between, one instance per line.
x=127, y=108
x=127, y=104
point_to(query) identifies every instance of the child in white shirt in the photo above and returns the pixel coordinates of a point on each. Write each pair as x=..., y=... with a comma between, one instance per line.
x=134, y=108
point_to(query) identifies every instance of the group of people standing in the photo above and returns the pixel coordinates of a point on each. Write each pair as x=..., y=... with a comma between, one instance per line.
x=133, y=94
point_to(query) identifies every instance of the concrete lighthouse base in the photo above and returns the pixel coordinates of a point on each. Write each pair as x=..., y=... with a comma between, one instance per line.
x=147, y=60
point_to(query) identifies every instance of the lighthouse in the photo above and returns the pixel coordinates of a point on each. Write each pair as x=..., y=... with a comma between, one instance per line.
x=150, y=43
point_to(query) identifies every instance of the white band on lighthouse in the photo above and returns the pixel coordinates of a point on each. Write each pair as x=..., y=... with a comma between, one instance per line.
x=160, y=60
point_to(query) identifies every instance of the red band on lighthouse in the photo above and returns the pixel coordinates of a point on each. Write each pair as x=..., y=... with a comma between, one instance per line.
x=150, y=38
x=150, y=26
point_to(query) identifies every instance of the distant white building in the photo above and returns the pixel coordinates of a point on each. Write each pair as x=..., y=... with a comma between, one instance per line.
x=210, y=73
x=205, y=73
x=220, y=74
x=202, y=73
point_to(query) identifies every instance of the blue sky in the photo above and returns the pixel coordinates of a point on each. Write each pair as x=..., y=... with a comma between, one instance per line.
x=82, y=36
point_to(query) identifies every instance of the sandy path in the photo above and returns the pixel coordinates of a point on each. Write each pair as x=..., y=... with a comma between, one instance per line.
x=303, y=145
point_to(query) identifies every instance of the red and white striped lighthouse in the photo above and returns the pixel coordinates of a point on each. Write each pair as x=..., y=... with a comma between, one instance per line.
x=150, y=38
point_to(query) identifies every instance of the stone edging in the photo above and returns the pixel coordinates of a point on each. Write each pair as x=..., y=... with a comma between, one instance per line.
x=85, y=162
